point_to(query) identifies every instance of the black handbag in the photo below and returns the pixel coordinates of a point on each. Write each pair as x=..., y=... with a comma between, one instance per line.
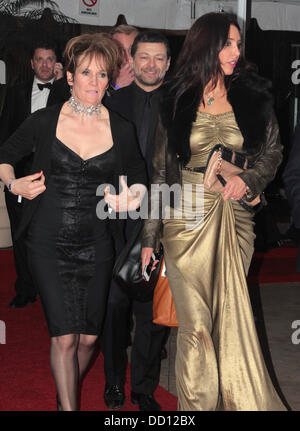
x=127, y=271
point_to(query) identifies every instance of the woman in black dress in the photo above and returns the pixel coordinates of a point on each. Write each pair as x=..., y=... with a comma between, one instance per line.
x=79, y=146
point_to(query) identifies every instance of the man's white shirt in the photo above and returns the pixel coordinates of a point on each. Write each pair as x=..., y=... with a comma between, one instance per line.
x=39, y=97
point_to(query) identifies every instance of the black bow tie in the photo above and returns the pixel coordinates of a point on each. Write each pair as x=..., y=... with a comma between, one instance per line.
x=42, y=86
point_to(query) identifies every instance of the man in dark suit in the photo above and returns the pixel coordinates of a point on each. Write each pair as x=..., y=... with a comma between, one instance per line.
x=47, y=87
x=138, y=103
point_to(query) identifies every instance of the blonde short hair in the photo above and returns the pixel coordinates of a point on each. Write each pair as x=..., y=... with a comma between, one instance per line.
x=124, y=29
x=99, y=45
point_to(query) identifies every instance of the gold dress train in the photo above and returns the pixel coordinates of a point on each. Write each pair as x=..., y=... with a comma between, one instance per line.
x=208, y=250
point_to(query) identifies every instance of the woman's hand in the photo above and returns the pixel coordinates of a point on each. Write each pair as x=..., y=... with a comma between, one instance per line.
x=235, y=189
x=30, y=186
x=146, y=256
x=128, y=199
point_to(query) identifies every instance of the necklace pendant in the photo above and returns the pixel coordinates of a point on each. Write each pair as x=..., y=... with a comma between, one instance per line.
x=210, y=101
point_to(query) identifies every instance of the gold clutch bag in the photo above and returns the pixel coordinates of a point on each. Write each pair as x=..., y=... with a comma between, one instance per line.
x=223, y=164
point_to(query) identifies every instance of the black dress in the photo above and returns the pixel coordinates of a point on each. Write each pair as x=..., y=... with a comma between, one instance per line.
x=71, y=251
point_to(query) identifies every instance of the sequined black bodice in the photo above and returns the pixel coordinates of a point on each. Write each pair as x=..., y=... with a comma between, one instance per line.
x=69, y=202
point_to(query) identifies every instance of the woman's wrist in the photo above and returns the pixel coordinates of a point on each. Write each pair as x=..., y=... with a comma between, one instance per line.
x=10, y=185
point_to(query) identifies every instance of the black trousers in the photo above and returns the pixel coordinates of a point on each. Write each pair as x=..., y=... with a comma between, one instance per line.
x=149, y=339
x=24, y=284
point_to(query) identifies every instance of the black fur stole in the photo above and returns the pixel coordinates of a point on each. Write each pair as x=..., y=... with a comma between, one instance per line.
x=252, y=104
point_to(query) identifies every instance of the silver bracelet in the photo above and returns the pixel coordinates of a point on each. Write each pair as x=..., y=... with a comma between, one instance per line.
x=10, y=184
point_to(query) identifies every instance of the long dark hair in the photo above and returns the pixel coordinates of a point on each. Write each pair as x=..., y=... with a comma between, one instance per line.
x=198, y=61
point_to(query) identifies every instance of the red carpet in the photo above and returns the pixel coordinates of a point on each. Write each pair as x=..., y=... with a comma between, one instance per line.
x=278, y=265
x=26, y=382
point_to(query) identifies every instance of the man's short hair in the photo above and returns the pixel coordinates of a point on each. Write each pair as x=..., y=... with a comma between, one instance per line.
x=151, y=37
x=44, y=44
x=124, y=29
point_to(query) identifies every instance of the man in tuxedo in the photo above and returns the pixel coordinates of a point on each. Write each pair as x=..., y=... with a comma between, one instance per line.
x=139, y=103
x=124, y=34
x=47, y=87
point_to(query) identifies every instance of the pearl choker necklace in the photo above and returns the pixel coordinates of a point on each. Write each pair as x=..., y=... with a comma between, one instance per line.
x=81, y=109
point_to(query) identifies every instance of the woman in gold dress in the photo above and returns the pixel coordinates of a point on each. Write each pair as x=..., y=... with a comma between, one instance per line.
x=213, y=97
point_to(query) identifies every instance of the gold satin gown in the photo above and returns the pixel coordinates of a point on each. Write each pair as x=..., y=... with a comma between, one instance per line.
x=219, y=364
